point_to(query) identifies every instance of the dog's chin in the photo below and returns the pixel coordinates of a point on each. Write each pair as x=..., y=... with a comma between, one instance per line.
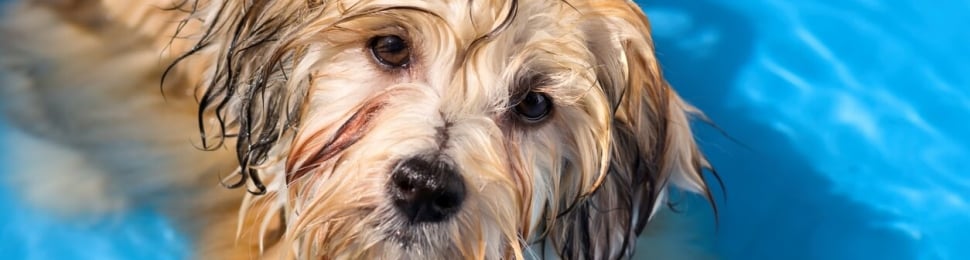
x=408, y=242
x=384, y=233
x=418, y=240
x=411, y=238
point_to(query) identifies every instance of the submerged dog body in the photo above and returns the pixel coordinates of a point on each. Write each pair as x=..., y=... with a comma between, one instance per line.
x=362, y=129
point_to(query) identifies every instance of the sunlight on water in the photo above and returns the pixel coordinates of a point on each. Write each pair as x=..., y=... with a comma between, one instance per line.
x=866, y=93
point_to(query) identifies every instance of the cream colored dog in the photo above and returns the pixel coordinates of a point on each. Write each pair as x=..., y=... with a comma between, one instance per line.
x=406, y=129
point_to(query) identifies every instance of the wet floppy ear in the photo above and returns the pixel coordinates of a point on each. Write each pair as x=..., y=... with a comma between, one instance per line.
x=652, y=145
x=258, y=79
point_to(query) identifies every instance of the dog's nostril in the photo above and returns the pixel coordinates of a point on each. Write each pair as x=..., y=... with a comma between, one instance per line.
x=446, y=202
x=403, y=183
x=426, y=191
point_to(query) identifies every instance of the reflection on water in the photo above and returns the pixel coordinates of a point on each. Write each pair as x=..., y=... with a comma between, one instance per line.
x=854, y=113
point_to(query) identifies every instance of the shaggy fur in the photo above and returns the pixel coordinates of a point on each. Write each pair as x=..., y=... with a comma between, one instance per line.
x=158, y=102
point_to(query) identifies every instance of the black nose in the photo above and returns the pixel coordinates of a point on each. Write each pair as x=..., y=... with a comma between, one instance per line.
x=426, y=190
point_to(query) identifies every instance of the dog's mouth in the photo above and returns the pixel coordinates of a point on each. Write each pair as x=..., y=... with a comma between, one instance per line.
x=409, y=235
x=404, y=237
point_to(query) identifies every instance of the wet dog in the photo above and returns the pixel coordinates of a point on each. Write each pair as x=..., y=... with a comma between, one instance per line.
x=361, y=129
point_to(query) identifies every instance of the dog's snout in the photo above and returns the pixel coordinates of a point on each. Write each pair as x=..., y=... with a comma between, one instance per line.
x=426, y=190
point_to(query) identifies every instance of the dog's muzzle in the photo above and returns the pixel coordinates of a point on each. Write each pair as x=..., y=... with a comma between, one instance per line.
x=426, y=190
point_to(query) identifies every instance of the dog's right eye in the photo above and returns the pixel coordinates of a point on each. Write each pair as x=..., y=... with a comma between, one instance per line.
x=534, y=107
x=391, y=51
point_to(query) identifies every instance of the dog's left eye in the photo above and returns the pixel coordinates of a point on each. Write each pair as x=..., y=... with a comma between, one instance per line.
x=391, y=51
x=534, y=107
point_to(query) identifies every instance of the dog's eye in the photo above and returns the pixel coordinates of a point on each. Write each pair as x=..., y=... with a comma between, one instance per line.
x=534, y=107
x=391, y=51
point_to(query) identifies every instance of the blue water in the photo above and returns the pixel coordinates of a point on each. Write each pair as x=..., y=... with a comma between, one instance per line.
x=27, y=233
x=850, y=118
x=855, y=115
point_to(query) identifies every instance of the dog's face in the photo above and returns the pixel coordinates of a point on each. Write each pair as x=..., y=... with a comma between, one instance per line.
x=447, y=129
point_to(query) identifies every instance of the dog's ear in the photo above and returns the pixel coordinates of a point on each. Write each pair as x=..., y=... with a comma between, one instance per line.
x=257, y=80
x=652, y=145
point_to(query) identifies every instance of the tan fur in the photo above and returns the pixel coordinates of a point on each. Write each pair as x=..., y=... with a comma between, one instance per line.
x=320, y=124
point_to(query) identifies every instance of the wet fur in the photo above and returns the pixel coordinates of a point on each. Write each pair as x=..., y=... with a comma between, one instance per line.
x=164, y=102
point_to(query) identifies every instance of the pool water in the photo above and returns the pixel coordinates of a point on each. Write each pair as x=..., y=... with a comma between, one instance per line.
x=852, y=115
x=849, y=119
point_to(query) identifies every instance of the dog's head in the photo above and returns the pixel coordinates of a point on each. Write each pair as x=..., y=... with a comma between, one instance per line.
x=446, y=129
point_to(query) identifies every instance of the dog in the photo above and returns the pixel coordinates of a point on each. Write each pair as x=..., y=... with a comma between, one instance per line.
x=359, y=129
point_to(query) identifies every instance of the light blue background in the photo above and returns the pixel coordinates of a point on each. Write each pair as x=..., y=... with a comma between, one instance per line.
x=855, y=113
x=851, y=117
